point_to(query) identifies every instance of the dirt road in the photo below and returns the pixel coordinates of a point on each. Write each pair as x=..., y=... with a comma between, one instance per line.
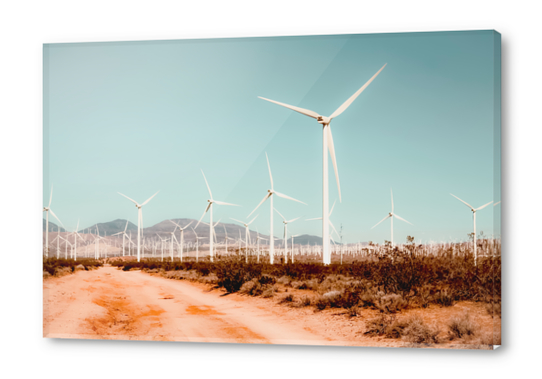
x=111, y=304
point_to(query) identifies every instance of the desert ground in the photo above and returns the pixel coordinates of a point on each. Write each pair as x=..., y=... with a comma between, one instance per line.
x=108, y=303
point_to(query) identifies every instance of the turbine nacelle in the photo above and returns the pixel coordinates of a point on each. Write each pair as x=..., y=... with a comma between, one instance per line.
x=323, y=120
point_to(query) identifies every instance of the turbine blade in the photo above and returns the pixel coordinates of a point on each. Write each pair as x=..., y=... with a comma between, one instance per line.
x=253, y=220
x=330, y=212
x=347, y=103
x=288, y=197
x=241, y=222
x=279, y=214
x=306, y=112
x=335, y=230
x=174, y=223
x=402, y=219
x=331, y=148
x=206, y=209
x=132, y=200
x=497, y=203
x=126, y=227
x=209, y=188
x=269, y=167
x=261, y=202
x=50, y=198
x=149, y=199
x=464, y=202
x=54, y=215
x=292, y=220
x=391, y=191
x=223, y=203
x=483, y=206
x=187, y=225
x=381, y=220
x=311, y=219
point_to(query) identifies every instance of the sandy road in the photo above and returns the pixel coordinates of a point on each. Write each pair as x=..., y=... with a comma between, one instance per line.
x=111, y=304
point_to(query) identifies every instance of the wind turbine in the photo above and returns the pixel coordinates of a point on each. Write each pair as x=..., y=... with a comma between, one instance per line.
x=270, y=194
x=182, y=235
x=139, y=220
x=286, y=222
x=247, y=234
x=327, y=145
x=297, y=235
x=473, y=220
x=48, y=209
x=124, y=235
x=391, y=215
x=197, y=243
x=211, y=201
x=76, y=234
x=329, y=219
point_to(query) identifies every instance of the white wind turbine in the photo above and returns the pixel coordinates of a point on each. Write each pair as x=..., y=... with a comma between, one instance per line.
x=211, y=201
x=327, y=146
x=473, y=220
x=329, y=220
x=124, y=235
x=182, y=235
x=270, y=194
x=197, y=243
x=391, y=215
x=76, y=234
x=48, y=209
x=286, y=222
x=247, y=234
x=139, y=220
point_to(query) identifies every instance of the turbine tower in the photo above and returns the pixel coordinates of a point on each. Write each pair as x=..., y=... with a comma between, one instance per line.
x=327, y=146
x=473, y=220
x=270, y=194
x=247, y=234
x=286, y=222
x=182, y=235
x=211, y=201
x=48, y=209
x=139, y=220
x=391, y=215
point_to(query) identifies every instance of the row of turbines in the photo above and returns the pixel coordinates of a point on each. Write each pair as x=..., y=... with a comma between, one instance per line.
x=328, y=148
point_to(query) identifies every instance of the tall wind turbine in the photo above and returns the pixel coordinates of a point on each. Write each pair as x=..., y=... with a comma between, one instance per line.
x=286, y=222
x=211, y=201
x=139, y=220
x=270, y=194
x=391, y=215
x=48, y=209
x=327, y=146
x=473, y=220
x=182, y=235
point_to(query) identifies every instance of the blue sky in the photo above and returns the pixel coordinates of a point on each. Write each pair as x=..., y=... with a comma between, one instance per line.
x=138, y=117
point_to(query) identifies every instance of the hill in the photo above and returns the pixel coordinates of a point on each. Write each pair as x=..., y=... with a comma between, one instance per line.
x=52, y=226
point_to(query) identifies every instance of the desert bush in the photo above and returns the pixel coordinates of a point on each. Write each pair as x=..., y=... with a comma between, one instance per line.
x=269, y=291
x=287, y=299
x=391, y=303
x=306, y=301
x=462, y=327
x=417, y=331
x=444, y=298
x=378, y=325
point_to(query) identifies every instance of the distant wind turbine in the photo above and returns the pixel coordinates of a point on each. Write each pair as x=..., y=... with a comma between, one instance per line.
x=286, y=222
x=270, y=194
x=182, y=235
x=124, y=235
x=327, y=146
x=391, y=215
x=139, y=220
x=473, y=220
x=211, y=201
x=48, y=209
x=247, y=234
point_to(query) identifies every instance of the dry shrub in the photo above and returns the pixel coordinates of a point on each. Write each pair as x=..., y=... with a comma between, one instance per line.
x=462, y=327
x=379, y=325
x=332, y=299
x=417, y=331
x=444, y=298
x=494, y=309
x=306, y=301
x=391, y=303
x=269, y=291
x=61, y=271
x=287, y=299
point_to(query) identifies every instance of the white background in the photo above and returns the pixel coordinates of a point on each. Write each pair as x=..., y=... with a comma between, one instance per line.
x=25, y=25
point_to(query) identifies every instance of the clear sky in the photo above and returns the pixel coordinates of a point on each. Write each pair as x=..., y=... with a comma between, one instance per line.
x=138, y=117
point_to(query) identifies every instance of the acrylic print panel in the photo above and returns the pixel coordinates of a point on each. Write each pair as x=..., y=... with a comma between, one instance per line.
x=321, y=190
